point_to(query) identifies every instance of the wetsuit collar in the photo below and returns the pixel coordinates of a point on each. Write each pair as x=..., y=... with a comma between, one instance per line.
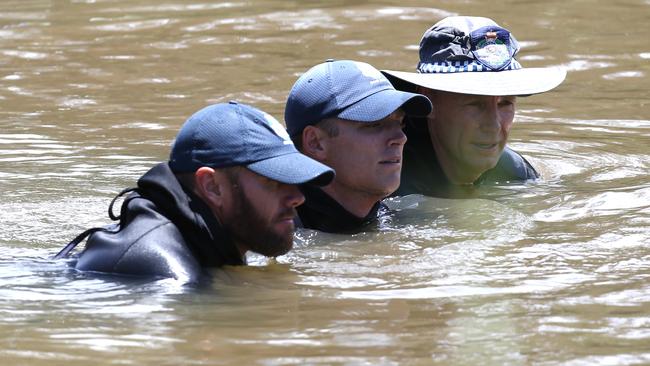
x=210, y=243
x=322, y=212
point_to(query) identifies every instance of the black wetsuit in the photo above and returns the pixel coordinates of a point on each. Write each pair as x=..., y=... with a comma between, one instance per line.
x=164, y=231
x=421, y=172
x=322, y=212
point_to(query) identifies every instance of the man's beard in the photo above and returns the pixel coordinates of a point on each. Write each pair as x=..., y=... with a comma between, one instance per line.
x=248, y=228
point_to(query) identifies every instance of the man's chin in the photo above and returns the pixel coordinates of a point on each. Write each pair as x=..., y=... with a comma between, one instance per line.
x=276, y=250
x=275, y=243
x=389, y=186
x=484, y=163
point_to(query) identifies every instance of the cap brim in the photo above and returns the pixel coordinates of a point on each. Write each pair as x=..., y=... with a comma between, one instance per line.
x=294, y=168
x=381, y=104
x=496, y=83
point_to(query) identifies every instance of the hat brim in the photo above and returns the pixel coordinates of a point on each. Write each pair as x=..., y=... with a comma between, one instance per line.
x=379, y=105
x=293, y=168
x=495, y=83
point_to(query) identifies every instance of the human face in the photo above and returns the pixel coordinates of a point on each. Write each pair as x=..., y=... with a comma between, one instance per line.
x=469, y=132
x=367, y=156
x=260, y=213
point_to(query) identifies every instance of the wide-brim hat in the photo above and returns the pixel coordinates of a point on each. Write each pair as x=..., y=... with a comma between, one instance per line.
x=474, y=55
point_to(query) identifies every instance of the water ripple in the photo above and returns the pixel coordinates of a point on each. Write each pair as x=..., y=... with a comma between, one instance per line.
x=27, y=55
x=135, y=25
x=173, y=8
x=623, y=75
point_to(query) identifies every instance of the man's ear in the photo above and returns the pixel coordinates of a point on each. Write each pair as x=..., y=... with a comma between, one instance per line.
x=314, y=144
x=210, y=185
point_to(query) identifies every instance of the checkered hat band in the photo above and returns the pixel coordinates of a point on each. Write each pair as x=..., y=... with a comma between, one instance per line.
x=460, y=66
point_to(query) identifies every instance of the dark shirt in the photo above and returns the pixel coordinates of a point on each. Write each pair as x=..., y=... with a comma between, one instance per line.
x=164, y=231
x=422, y=173
x=322, y=212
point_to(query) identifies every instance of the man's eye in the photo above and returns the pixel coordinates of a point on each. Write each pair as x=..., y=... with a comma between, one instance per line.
x=372, y=125
x=273, y=184
x=507, y=100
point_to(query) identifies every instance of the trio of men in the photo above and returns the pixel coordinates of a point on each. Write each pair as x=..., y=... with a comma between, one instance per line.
x=237, y=181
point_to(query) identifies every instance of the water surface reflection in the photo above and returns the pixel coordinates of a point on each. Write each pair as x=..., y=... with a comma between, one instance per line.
x=556, y=272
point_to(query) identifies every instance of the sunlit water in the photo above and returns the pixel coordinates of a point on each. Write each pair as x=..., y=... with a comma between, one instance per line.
x=555, y=272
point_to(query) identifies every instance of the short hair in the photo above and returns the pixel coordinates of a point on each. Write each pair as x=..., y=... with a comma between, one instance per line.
x=328, y=126
x=187, y=179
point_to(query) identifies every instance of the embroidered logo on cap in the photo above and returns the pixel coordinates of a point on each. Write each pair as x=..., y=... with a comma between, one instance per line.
x=277, y=128
x=370, y=72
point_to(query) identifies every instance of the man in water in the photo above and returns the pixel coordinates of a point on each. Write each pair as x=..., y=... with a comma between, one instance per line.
x=468, y=70
x=347, y=115
x=230, y=186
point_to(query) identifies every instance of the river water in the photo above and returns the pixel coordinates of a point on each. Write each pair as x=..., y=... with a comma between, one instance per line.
x=552, y=273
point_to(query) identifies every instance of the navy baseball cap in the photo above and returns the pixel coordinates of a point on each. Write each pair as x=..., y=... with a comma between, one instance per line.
x=474, y=55
x=232, y=134
x=350, y=90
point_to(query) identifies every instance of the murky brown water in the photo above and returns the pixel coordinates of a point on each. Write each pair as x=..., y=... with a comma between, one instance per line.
x=558, y=272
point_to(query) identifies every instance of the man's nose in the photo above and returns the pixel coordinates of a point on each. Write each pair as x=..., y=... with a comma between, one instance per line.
x=491, y=119
x=294, y=197
x=397, y=135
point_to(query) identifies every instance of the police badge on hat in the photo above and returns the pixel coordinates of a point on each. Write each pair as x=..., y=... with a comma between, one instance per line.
x=493, y=47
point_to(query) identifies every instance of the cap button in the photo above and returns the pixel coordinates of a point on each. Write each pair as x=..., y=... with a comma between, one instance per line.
x=329, y=60
x=233, y=102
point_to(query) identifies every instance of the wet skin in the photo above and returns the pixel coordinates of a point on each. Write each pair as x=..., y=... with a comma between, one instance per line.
x=259, y=213
x=469, y=132
x=367, y=158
